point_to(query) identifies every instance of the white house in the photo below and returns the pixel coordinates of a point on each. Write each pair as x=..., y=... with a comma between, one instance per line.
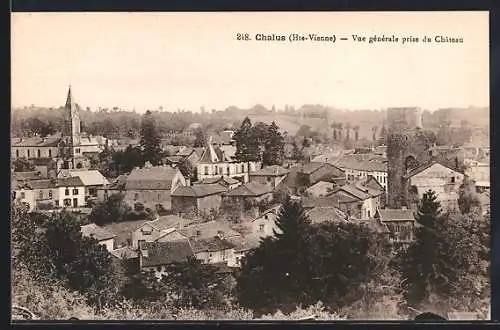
x=265, y=224
x=360, y=166
x=70, y=192
x=216, y=161
x=92, y=180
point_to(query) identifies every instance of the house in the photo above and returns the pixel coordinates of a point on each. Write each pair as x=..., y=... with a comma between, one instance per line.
x=157, y=256
x=399, y=222
x=124, y=253
x=313, y=172
x=226, y=181
x=325, y=201
x=319, y=215
x=92, y=180
x=243, y=245
x=191, y=155
x=197, y=199
x=70, y=192
x=320, y=189
x=214, y=250
x=441, y=179
x=360, y=166
x=270, y=175
x=40, y=194
x=103, y=236
x=357, y=201
x=480, y=173
x=153, y=185
x=36, y=147
x=151, y=231
x=216, y=161
x=47, y=167
x=115, y=187
x=265, y=224
x=250, y=194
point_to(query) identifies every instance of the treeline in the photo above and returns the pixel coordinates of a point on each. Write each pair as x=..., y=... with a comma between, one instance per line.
x=350, y=268
x=115, y=122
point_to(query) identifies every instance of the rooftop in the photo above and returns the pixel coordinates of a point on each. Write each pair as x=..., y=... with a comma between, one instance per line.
x=99, y=233
x=395, y=215
x=362, y=162
x=323, y=214
x=251, y=189
x=211, y=244
x=159, y=177
x=208, y=230
x=124, y=253
x=164, y=253
x=169, y=221
x=90, y=177
x=72, y=181
x=222, y=179
x=273, y=170
x=199, y=190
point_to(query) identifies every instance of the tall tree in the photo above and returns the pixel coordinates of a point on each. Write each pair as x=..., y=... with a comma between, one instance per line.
x=150, y=140
x=374, y=133
x=247, y=148
x=468, y=199
x=274, y=146
x=200, y=139
x=356, y=132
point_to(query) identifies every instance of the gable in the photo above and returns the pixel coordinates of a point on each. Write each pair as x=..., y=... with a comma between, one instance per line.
x=437, y=171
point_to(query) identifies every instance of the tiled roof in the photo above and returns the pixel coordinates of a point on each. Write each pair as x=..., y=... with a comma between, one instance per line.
x=159, y=177
x=72, y=181
x=208, y=230
x=353, y=190
x=422, y=168
x=213, y=154
x=250, y=189
x=310, y=202
x=174, y=159
x=368, y=190
x=49, y=141
x=199, y=190
x=245, y=243
x=310, y=167
x=42, y=184
x=169, y=221
x=31, y=175
x=322, y=214
x=273, y=170
x=90, y=177
x=124, y=253
x=185, y=152
x=164, y=253
x=362, y=162
x=396, y=215
x=227, y=179
x=320, y=187
x=275, y=210
x=212, y=244
x=99, y=233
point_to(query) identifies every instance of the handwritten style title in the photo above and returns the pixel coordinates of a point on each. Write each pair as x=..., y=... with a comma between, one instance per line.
x=356, y=38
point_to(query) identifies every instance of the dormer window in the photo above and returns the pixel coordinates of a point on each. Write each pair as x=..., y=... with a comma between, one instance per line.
x=452, y=179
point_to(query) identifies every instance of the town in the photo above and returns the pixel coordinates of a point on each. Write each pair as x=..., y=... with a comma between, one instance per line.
x=155, y=200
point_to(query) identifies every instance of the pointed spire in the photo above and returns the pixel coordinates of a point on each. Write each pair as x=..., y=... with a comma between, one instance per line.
x=69, y=99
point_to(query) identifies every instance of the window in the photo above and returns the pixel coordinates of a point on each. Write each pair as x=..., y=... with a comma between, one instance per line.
x=158, y=268
x=261, y=228
x=266, y=217
x=79, y=165
x=50, y=152
x=50, y=194
x=28, y=153
x=242, y=168
x=23, y=194
x=66, y=192
x=136, y=196
x=67, y=202
x=221, y=171
x=146, y=231
x=40, y=194
x=38, y=153
x=92, y=191
x=75, y=191
x=227, y=170
x=368, y=213
x=57, y=203
x=77, y=150
x=17, y=153
x=206, y=170
x=452, y=179
x=159, y=197
x=269, y=179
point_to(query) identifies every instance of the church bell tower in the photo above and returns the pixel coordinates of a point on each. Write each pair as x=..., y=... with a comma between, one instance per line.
x=71, y=134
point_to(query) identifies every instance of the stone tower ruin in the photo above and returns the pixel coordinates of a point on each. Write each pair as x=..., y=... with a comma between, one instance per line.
x=407, y=148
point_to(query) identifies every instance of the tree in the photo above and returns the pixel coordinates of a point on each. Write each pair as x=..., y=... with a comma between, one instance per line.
x=113, y=209
x=274, y=146
x=439, y=263
x=296, y=152
x=356, y=133
x=468, y=199
x=374, y=132
x=247, y=148
x=188, y=170
x=200, y=139
x=195, y=285
x=23, y=165
x=274, y=273
x=348, y=128
x=150, y=140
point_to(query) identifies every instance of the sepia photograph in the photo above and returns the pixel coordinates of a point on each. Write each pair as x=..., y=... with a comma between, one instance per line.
x=247, y=166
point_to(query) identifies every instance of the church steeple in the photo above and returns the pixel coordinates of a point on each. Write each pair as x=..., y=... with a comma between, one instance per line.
x=69, y=99
x=71, y=118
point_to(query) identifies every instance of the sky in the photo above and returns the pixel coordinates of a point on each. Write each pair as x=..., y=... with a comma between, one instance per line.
x=187, y=61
